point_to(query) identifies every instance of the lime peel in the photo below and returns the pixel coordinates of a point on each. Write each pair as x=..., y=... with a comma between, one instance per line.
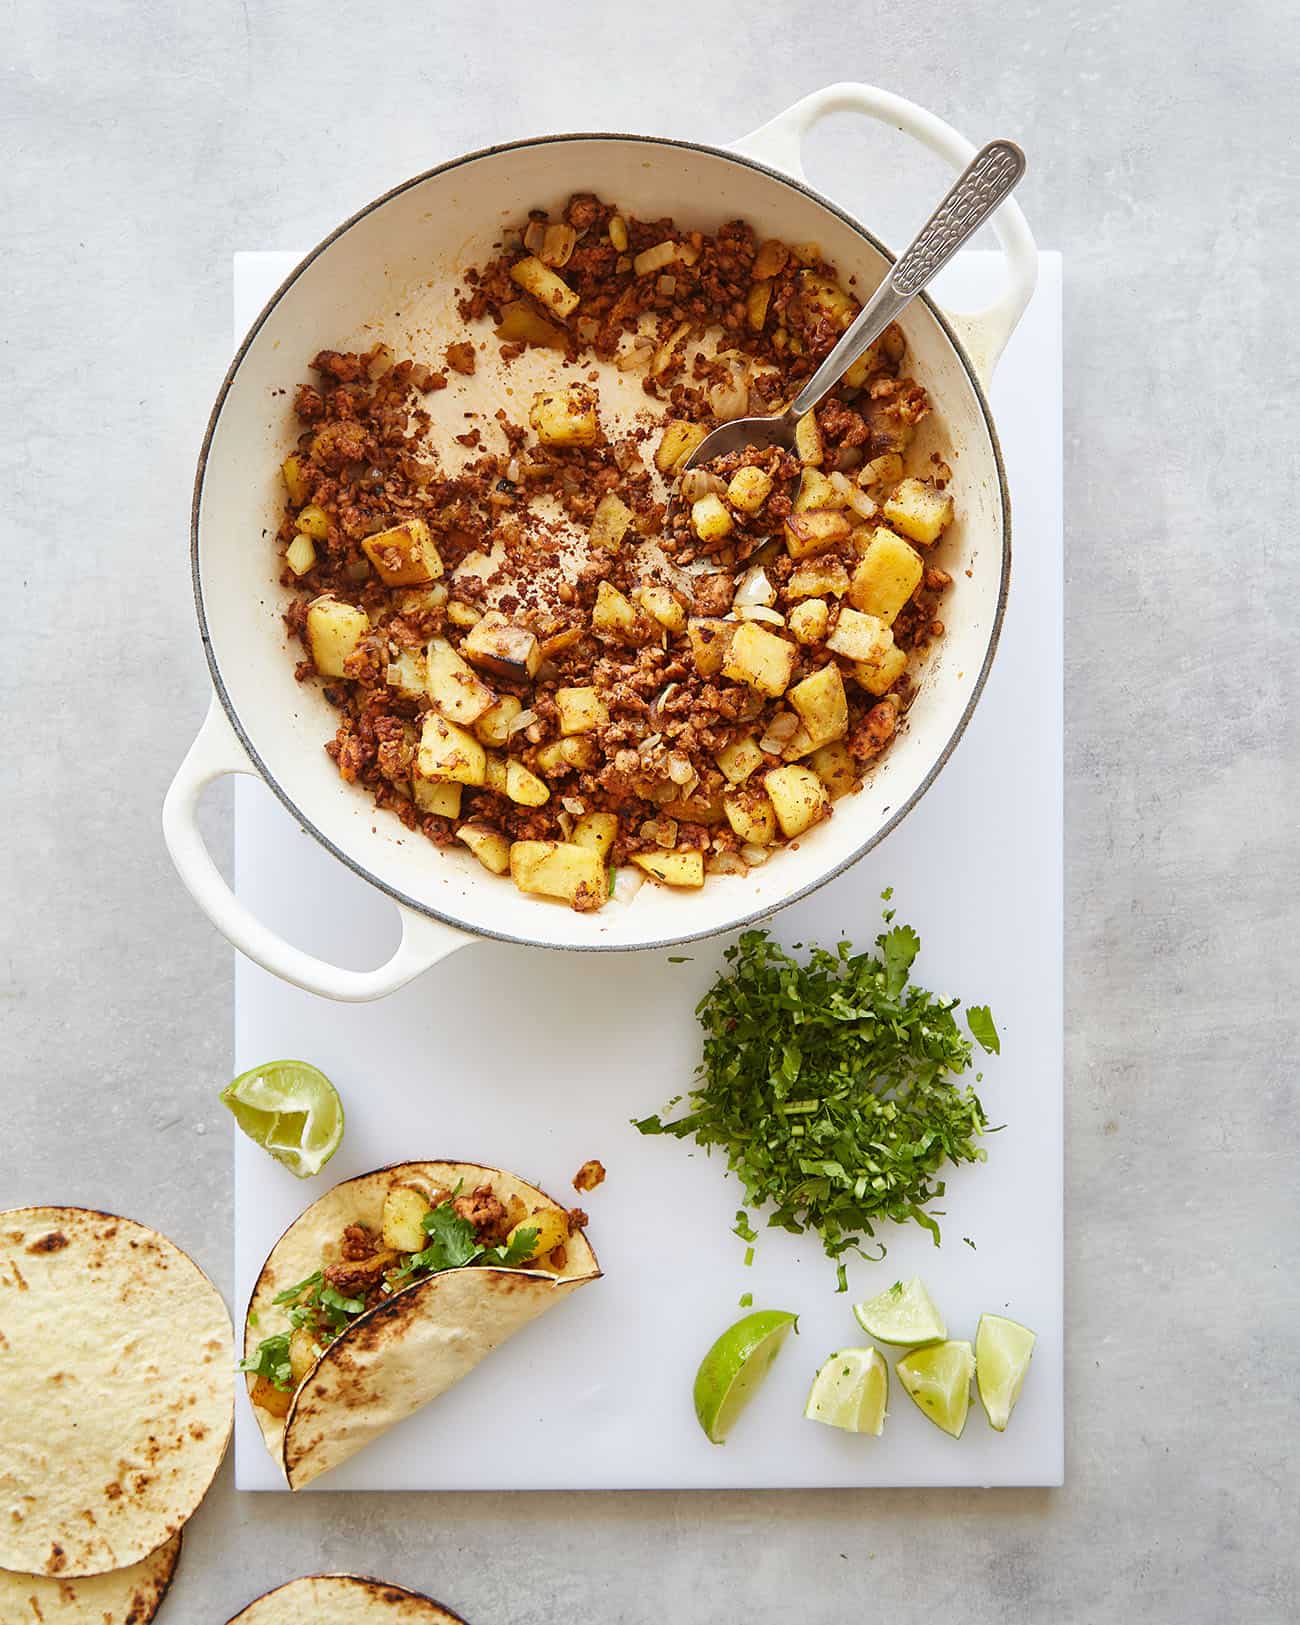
x=290, y=1109
x=733, y=1370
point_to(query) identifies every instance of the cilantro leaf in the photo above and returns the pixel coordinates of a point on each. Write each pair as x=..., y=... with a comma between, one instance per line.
x=272, y=1362
x=980, y=1022
x=515, y=1252
x=453, y=1243
x=332, y=1299
x=832, y=1085
x=291, y=1294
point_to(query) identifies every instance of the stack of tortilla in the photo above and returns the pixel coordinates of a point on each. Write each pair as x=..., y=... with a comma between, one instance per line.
x=116, y=1405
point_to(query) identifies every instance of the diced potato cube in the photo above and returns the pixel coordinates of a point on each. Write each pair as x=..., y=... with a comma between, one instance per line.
x=886, y=577
x=520, y=324
x=808, y=447
x=663, y=606
x=403, y=1215
x=818, y=577
x=581, y=710
x=494, y=773
x=549, y=290
x=302, y=1356
x=497, y=645
x=710, y=639
x=405, y=555
x=563, y=755
x=799, y=798
x=333, y=631
x=809, y=620
x=454, y=686
x=657, y=258
x=886, y=469
x=822, y=705
x=267, y=1397
x=408, y=674
x=681, y=868
x=772, y=258
x=835, y=767
x=871, y=360
x=678, y=441
x=300, y=554
x=525, y=787
x=666, y=354
x=613, y=613
x=814, y=532
x=749, y=489
x=574, y=874
x=858, y=636
x=740, y=758
x=295, y=478
x=493, y=727
x=489, y=846
x=598, y=830
x=757, y=300
x=551, y=1230
x=610, y=521
x=565, y=417
x=751, y=816
x=710, y=520
x=448, y=752
x=919, y=511
x=695, y=809
x=760, y=658
x=816, y=490
x=879, y=674
x=436, y=796
x=819, y=295
x=314, y=522
x=461, y=614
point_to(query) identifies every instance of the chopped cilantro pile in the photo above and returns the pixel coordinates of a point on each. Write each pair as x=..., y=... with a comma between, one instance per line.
x=831, y=1086
x=453, y=1243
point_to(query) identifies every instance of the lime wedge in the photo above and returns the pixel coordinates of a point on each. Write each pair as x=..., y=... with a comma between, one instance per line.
x=1002, y=1351
x=904, y=1315
x=938, y=1379
x=850, y=1392
x=291, y=1110
x=732, y=1371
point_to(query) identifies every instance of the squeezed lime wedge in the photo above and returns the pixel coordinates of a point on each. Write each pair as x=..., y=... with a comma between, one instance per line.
x=904, y=1315
x=732, y=1371
x=938, y=1380
x=290, y=1109
x=1002, y=1351
x=851, y=1391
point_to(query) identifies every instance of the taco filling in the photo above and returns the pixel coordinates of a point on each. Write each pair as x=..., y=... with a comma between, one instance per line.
x=423, y=1232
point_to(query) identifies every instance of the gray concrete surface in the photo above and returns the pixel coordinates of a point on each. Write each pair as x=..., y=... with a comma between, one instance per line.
x=143, y=143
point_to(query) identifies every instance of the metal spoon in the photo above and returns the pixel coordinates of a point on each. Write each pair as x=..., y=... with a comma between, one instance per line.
x=988, y=179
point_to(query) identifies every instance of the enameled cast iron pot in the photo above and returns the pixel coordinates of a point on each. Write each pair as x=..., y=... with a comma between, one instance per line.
x=403, y=253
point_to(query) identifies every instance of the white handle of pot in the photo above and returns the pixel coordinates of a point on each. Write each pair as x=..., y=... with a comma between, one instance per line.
x=216, y=752
x=780, y=144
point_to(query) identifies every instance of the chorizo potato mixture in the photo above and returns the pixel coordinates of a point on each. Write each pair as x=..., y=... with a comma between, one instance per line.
x=525, y=654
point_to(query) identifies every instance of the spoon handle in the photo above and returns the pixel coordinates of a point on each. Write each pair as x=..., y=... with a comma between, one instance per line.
x=985, y=183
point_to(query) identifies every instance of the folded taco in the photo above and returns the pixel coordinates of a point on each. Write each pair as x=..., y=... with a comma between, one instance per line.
x=391, y=1288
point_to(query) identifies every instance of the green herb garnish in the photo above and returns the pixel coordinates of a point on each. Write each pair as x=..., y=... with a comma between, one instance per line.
x=981, y=1025
x=831, y=1087
x=272, y=1362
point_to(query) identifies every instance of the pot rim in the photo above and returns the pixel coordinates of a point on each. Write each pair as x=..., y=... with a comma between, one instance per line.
x=402, y=898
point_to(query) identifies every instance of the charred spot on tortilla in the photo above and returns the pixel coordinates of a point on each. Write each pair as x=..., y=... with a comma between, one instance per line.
x=53, y=1242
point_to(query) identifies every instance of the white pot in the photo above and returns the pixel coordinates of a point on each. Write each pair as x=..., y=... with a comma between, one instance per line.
x=403, y=254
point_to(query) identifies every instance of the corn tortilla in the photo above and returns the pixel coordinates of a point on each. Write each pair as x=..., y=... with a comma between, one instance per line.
x=122, y=1597
x=116, y=1394
x=397, y=1357
x=344, y=1599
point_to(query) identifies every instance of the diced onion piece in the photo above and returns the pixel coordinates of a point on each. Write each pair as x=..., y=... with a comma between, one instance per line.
x=759, y=612
x=754, y=589
x=558, y=243
x=754, y=855
x=654, y=259
x=725, y=863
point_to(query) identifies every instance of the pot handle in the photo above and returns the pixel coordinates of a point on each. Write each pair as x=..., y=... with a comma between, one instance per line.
x=779, y=143
x=216, y=752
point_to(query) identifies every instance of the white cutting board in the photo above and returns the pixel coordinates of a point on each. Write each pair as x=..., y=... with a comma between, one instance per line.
x=536, y=1060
